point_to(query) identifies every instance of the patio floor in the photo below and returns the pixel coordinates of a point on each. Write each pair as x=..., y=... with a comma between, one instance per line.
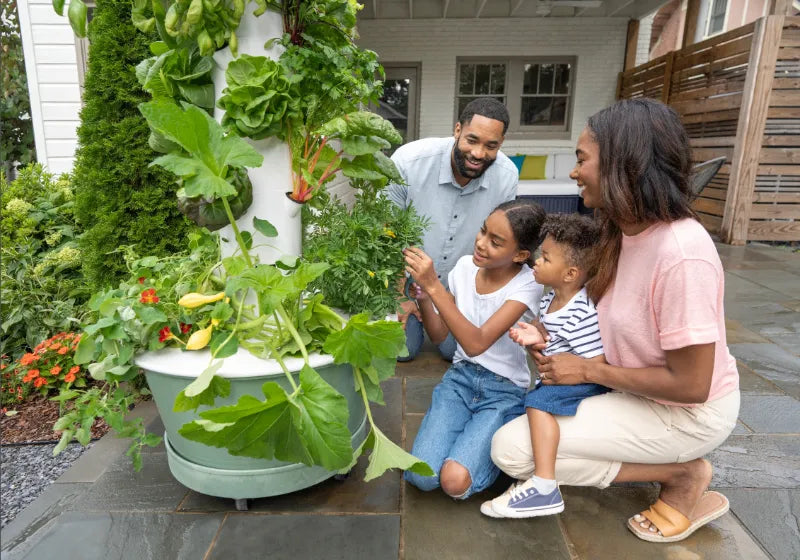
x=100, y=508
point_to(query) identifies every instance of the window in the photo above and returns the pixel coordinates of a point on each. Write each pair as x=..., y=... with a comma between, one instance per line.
x=716, y=17
x=537, y=92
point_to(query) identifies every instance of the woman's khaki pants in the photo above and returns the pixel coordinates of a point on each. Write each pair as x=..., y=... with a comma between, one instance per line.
x=617, y=428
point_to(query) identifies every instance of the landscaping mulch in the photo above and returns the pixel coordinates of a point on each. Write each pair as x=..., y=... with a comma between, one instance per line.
x=34, y=423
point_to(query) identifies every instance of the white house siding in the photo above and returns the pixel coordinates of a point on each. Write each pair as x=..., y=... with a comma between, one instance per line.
x=52, y=71
x=598, y=44
x=643, y=44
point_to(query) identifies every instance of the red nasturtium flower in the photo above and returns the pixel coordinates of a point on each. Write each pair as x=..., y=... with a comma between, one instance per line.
x=149, y=296
x=185, y=328
x=164, y=334
x=141, y=279
x=70, y=377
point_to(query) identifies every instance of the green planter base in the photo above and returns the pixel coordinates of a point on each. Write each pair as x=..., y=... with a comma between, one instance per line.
x=252, y=483
x=214, y=471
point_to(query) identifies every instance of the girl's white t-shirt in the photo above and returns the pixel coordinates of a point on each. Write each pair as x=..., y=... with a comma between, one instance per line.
x=505, y=357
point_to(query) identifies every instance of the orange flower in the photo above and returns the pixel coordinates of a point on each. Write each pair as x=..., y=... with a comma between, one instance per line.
x=73, y=370
x=70, y=377
x=39, y=382
x=32, y=374
x=149, y=296
x=27, y=359
x=55, y=370
x=63, y=350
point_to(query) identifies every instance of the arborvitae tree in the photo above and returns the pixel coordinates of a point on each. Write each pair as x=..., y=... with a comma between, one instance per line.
x=119, y=199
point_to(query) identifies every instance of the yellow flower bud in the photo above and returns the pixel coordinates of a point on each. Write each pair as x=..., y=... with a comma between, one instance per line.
x=200, y=339
x=371, y=274
x=192, y=300
x=389, y=233
x=214, y=322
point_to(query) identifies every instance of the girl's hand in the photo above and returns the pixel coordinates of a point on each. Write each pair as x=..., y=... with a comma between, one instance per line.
x=418, y=293
x=527, y=335
x=420, y=266
x=561, y=369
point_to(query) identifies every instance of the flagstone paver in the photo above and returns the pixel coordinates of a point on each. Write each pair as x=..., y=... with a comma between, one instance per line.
x=101, y=509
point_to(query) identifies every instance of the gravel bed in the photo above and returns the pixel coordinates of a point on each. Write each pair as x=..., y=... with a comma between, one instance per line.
x=26, y=470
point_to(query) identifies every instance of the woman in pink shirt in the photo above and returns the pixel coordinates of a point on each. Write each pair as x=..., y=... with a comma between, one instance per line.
x=659, y=288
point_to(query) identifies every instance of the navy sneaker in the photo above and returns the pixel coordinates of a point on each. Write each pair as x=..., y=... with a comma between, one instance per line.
x=523, y=500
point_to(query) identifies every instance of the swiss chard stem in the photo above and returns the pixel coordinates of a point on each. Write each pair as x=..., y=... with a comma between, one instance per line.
x=236, y=232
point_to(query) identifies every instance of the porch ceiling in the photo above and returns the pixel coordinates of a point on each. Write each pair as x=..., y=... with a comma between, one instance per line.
x=486, y=9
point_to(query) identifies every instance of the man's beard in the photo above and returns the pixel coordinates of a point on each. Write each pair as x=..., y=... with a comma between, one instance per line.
x=461, y=166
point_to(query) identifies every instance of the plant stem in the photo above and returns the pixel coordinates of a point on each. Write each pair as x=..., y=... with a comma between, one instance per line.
x=357, y=373
x=295, y=335
x=236, y=232
x=277, y=358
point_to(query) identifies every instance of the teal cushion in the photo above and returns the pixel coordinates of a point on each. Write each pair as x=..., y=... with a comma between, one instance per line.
x=517, y=159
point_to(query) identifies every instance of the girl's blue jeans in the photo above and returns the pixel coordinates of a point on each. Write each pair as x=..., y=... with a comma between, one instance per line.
x=467, y=408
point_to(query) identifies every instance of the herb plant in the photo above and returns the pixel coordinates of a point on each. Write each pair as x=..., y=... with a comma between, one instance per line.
x=363, y=246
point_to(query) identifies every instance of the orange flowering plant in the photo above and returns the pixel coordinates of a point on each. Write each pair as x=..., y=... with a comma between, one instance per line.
x=49, y=368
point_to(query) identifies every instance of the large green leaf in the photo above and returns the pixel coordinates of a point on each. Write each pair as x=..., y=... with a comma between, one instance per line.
x=387, y=455
x=360, y=341
x=217, y=387
x=321, y=418
x=210, y=152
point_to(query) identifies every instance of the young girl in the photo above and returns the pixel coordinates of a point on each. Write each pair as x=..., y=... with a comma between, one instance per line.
x=490, y=291
x=570, y=316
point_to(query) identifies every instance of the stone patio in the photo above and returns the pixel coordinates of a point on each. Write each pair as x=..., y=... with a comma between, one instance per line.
x=101, y=509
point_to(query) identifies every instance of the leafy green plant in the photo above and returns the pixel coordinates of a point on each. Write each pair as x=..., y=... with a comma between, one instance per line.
x=259, y=98
x=16, y=128
x=178, y=73
x=51, y=366
x=42, y=289
x=197, y=301
x=363, y=246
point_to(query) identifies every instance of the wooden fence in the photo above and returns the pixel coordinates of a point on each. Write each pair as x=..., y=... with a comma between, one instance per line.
x=738, y=95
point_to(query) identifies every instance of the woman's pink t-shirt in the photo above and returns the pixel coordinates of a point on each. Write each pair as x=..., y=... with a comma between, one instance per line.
x=667, y=294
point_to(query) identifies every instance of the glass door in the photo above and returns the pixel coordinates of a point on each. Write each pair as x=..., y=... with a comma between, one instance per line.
x=400, y=98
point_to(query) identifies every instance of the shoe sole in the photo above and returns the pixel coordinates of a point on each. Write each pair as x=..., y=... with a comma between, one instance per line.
x=487, y=510
x=525, y=513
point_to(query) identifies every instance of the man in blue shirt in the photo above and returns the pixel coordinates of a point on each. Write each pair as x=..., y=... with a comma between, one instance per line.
x=455, y=182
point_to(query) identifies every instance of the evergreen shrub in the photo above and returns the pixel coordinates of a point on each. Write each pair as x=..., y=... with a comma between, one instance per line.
x=120, y=200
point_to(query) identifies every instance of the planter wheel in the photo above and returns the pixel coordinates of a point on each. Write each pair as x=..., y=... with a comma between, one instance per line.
x=241, y=504
x=341, y=477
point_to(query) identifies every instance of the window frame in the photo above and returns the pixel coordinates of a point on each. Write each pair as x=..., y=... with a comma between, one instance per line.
x=514, y=83
x=709, y=15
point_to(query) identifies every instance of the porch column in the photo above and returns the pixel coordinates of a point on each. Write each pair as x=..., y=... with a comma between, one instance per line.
x=631, y=43
x=690, y=22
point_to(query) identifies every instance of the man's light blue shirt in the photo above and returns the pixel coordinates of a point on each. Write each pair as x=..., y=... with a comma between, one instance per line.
x=456, y=213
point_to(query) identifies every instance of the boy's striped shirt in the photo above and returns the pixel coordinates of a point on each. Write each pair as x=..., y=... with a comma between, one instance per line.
x=573, y=328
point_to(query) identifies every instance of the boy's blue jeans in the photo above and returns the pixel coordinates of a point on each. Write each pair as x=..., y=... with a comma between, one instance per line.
x=415, y=336
x=467, y=408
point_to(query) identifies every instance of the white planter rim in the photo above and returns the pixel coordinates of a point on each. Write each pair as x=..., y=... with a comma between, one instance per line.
x=190, y=364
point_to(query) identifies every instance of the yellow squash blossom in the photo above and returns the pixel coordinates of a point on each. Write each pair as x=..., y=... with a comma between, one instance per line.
x=192, y=300
x=200, y=339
